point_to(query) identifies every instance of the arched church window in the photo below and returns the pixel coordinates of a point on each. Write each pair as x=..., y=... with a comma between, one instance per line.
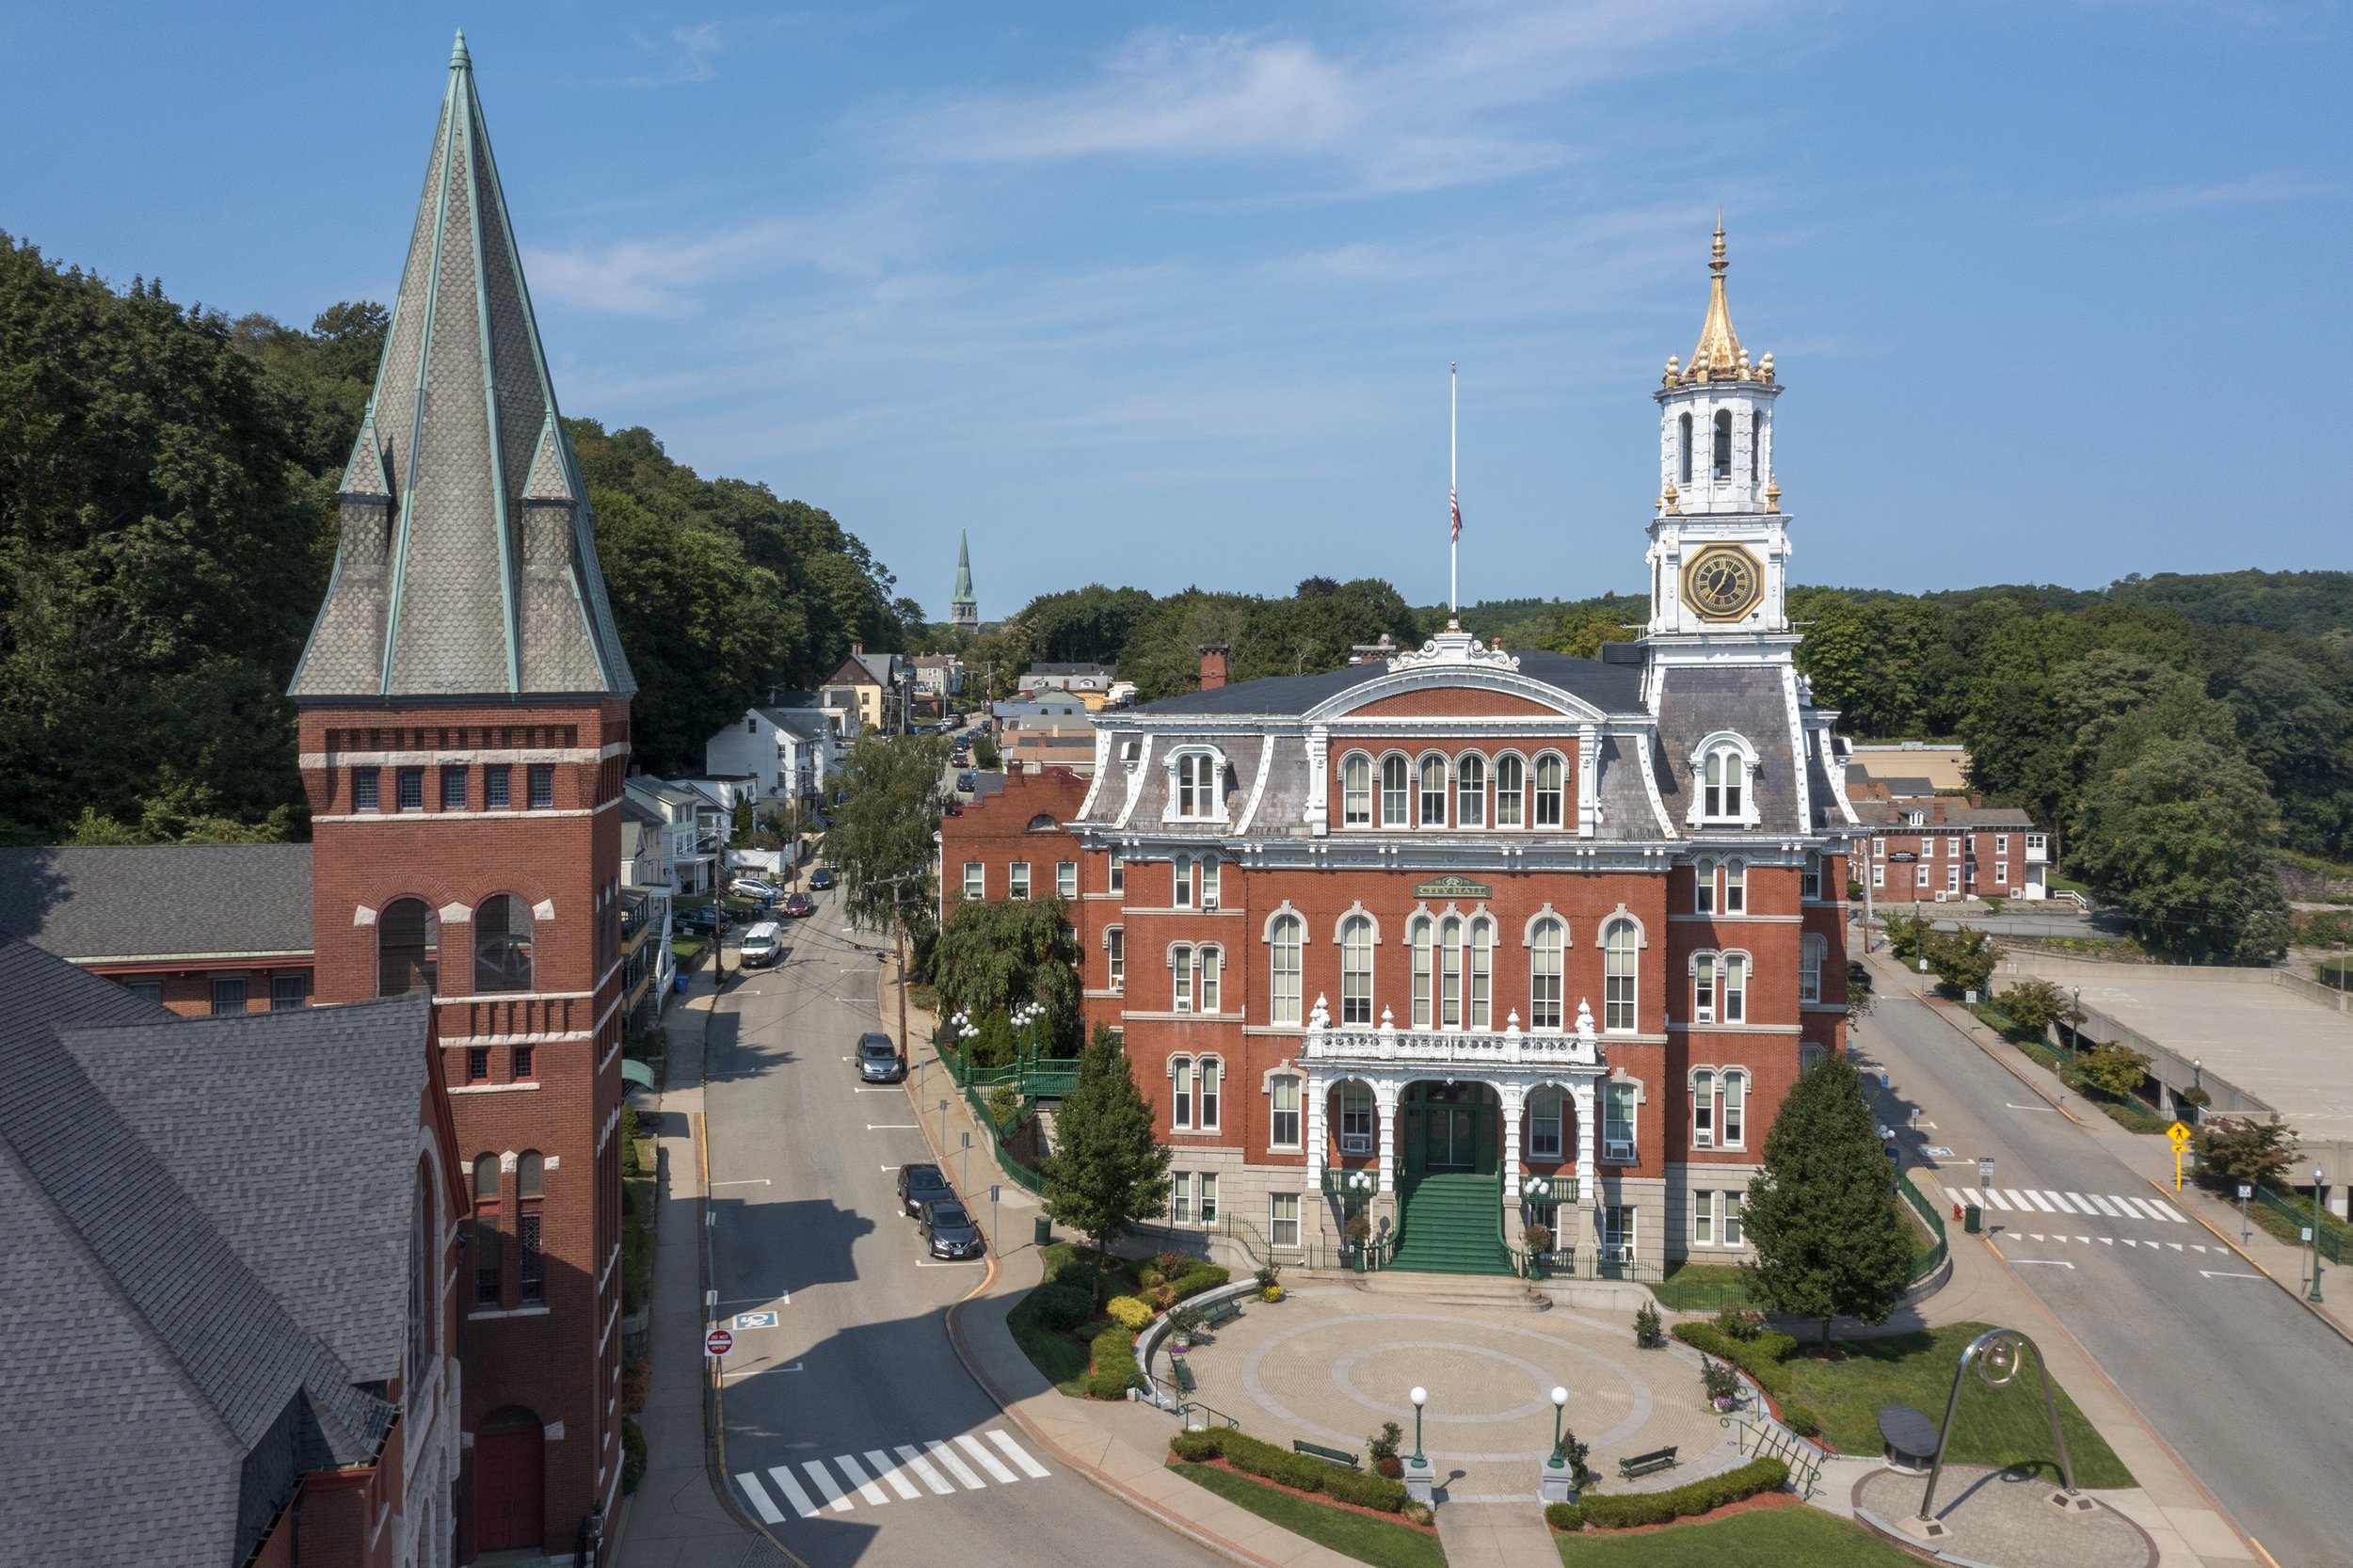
x=1725, y=777
x=1356, y=791
x=1723, y=444
x=408, y=945
x=1543, y=975
x=502, y=944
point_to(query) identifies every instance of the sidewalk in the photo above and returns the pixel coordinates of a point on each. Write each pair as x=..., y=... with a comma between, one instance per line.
x=675, y=1519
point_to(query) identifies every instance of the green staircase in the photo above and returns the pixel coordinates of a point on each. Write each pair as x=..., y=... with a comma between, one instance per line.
x=1453, y=1225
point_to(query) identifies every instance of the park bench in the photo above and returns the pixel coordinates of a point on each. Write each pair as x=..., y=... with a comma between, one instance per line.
x=1643, y=1464
x=1182, y=1373
x=1218, y=1312
x=1910, y=1436
x=1340, y=1457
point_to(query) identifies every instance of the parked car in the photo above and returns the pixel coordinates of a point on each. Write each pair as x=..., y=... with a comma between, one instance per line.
x=922, y=1184
x=755, y=890
x=762, y=945
x=701, y=920
x=969, y=781
x=878, y=1060
x=952, y=808
x=797, y=906
x=821, y=879
x=949, y=1231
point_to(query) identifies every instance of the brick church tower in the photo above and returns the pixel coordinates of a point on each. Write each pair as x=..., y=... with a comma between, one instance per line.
x=465, y=707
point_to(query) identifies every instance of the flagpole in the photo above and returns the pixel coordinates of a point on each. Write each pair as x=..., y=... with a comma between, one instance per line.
x=1454, y=508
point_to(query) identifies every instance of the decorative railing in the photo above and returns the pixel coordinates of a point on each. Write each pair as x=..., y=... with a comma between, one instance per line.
x=1774, y=1441
x=1555, y=1188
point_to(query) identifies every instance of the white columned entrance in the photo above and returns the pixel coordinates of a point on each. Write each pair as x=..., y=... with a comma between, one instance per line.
x=1385, y=1092
x=1515, y=1099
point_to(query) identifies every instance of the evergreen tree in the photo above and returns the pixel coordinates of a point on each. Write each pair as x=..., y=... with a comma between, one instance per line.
x=1829, y=1236
x=1108, y=1173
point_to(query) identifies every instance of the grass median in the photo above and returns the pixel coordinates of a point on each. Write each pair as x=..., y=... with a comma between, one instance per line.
x=1342, y=1530
x=1767, y=1538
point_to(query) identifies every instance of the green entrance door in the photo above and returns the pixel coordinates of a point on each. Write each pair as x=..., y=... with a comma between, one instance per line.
x=1452, y=1127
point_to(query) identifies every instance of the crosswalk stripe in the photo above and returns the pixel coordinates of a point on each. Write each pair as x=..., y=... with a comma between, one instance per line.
x=2130, y=1206
x=2105, y=1207
x=2017, y=1200
x=956, y=1467
x=865, y=1488
x=823, y=1478
x=792, y=1493
x=889, y=1474
x=2083, y=1205
x=769, y=1512
x=2167, y=1210
x=922, y=1467
x=2060, y=1200
x=2037, y=1199
x=989, y=1461
x=1019, y=1455
x=1995, y=1198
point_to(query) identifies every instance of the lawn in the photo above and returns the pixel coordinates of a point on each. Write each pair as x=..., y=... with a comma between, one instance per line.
x=1701, y=1287
x=1764, y=1538
x=1344, y=1531
x=1062, y=1359
x=2000, y=1427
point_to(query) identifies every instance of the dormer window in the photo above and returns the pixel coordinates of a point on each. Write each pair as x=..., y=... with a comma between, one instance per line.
x=1726, y=779
x=1196, y=792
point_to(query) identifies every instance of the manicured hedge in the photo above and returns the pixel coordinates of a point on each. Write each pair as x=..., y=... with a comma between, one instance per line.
x=1200, y=1278
x=1114, y=1364
x=1060, y=1308
x=1659, y=1507
x=1128, y=1312
x=1760, y=1357
x=1285, y=1469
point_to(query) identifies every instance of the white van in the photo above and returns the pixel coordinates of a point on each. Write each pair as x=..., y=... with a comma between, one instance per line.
x=762, y=945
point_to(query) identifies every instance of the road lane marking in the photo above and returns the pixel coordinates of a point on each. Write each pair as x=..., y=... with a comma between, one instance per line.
x=765, y=1505
x=865, y=1488
x=922, y=1467
x=823, y=1478
x=2037, y=1199
x=2107, y=1241
x=1993, y=1197
x=2082, y=1203
x=792, y=1493
x=744, y=1181
x=2045, y=1262
x=956, y=1467
x=2058, y=1201
x=2025, y=1107
x=2106, y=1208
x=1019, y=1455
x=2167, y=1210
x=2224, y=1273
x=2130, y=1243
x=891, y=1126
x=891, y=1475
x=989, y=1461
x=2017, y=1200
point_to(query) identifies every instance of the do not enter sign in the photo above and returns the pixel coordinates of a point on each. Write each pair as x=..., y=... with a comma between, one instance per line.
x=718, y=1342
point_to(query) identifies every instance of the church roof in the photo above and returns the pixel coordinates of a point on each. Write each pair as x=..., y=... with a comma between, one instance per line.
x=481, y=579
x=964, y=571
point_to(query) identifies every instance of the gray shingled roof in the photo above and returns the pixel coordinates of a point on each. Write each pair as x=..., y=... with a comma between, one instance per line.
x=157, y=901
x=466, y=564
x=1612, y=688
x=163, y=1396
x=1751, y=700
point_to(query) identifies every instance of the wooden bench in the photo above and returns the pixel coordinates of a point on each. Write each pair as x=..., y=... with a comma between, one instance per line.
x=1218, y=1312
x=1340, y=1457
x=1643, y=1464
x=1182, y=1373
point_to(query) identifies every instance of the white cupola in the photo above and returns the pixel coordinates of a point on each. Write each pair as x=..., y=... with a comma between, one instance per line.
x=1718, y=544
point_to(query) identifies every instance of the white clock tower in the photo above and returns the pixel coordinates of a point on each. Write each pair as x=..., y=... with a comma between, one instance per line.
x=1719, y=542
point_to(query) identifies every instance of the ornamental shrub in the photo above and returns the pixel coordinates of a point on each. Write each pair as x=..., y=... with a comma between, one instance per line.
x=1282, y=1466
x=1114, y=1364
x=1648, y=1335
x=1128, y=1312
x=1760, y=1357
x=1627, y=1510
x=1060, y=1308
x=1200, y=1278
x=1195, y=1447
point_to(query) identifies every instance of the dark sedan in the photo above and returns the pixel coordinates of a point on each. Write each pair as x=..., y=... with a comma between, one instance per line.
x=701, y=920
x=878, y=1060
x=949, y=1231
x=922, y=1184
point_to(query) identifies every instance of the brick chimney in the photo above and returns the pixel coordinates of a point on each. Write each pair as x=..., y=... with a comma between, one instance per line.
x=858, y=650
x=1212, y=666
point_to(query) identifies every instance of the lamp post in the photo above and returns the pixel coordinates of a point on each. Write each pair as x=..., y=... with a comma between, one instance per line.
x=1554, y=1483
x=2311, y=1295
x=1420, y=1397
x=1559, y=1408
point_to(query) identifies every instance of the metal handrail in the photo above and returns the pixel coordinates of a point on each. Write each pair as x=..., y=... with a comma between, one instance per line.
x=1184, y=1417
x=1773, y=1442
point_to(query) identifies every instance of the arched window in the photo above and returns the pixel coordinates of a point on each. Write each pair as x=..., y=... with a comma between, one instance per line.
x=1180, y=1099
x=425, y=1256
x=1543, y=975
x=1510, y=773
x=502, y=944
x=1482, y=942
x=1733, y=1120
x=1198, y=785
x=1724, y=776
x=1283, y=1111
x=1356, y=791
x=1549, y=774
x=1683, y=462
x=1621, y=972
x=1434, y=792
x=1470, y=790
x=1757, y=441
x=1723, y=444
x=1393, y=777
x=1812, y=950
x=1810, y=877
x=1703, y=987
x=1284, y=969
x=1356, y=970
x=1703, y=885
x=1180, y=965
x=1211, y=1073
x=531, y=1274
x=1735, y=886
x=1449, y=973
x=1736, y=987
x=1702, y=1110
x=1418, y=937
x=408, y=947
x=486, y=1231
x=1209, y=969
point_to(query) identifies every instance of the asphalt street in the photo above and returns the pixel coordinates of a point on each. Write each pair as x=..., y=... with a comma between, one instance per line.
x=852, y=1429
x=2247, y=1387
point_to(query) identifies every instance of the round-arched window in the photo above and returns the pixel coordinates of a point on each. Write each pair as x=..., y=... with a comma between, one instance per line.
x=502, y=944
x=408, y=947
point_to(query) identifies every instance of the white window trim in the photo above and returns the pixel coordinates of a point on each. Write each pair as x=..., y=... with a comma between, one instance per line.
x=1373, y=790
x=1298, y=1112
x=1528, y=808
x=1217, y=783
x=1724, y=740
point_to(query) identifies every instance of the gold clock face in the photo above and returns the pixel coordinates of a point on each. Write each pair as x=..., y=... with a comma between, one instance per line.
x=1722, y=582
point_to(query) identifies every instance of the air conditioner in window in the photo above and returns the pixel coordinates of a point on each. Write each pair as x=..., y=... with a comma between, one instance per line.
x=1355, y=1142
x=1618, y=1253
x=1119, y=986
x=1612, y=1149
x=1208, y=901
x=1702, y=1140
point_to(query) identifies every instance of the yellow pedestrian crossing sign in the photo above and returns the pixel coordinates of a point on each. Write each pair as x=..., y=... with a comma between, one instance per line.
x=2178, y=1133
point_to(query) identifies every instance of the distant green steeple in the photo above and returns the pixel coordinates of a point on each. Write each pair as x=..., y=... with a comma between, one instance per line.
x=963, y=609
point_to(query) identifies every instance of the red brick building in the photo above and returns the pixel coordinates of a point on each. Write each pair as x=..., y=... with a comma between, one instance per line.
x=1932, y=849
x=464, y=719
x=1463, y=938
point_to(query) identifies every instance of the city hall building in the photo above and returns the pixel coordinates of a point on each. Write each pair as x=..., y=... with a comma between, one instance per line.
x=1465, y=938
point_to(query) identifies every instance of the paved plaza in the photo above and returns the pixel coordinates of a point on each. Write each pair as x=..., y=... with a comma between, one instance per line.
x=2003, y=1519
x=1329, y=1364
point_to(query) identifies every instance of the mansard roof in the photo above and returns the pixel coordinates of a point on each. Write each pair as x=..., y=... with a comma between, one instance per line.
x=468, y=566
x=1609, y=687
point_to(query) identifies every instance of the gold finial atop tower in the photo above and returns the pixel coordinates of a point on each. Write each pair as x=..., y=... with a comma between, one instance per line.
x=1717, y=356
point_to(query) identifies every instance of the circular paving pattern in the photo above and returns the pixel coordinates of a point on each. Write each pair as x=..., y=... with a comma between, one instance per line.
x=1331, y=1365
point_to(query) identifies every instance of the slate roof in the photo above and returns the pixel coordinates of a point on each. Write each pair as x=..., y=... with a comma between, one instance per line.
x=808, y=723
x=1612, y=688
x=467, y=564
x=1942, y=813
x=157, y=900
x=179, y=1276
x=1697, y=700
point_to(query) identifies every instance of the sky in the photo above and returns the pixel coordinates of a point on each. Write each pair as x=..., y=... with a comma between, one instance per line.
x=1167, y=294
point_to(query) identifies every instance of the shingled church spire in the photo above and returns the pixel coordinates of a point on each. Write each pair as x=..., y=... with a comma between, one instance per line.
x=467, y=566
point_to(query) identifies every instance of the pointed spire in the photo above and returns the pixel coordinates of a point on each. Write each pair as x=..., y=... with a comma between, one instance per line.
x=1718, y=351
x=962, y=610
x=484, y=580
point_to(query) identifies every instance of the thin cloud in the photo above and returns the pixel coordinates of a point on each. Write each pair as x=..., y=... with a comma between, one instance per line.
x=683, y=56
x=2255, y=190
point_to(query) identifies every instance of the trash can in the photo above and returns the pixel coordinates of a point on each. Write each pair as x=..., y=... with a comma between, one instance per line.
x=1972, y=1218
x=1042, y=1232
